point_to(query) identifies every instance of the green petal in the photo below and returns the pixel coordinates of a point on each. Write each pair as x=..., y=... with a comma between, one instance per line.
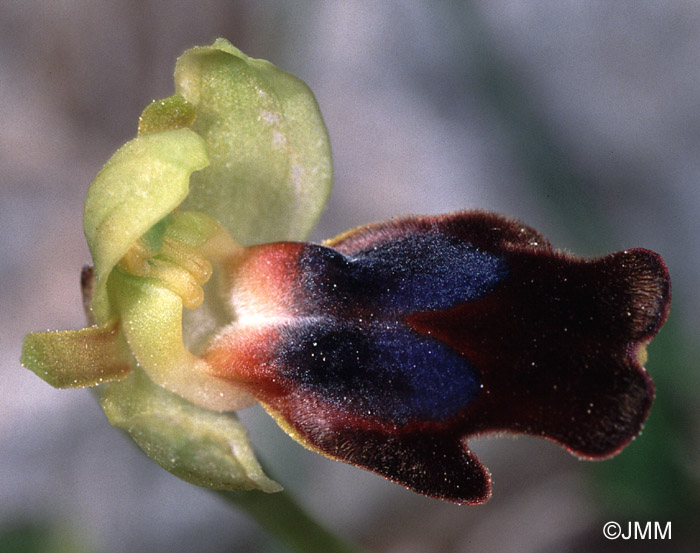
x=167, y=114
x=152, y=323
x=77, y=358
x=143, y=182
x=270, y=173
x=205, y=448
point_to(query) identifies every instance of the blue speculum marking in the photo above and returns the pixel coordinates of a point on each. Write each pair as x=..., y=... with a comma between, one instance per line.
x=413, y=273
x=361, y=354
x=374, y=331
x=385, y=372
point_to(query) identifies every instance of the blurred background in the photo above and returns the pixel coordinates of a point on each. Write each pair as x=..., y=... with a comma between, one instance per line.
x=581, y=118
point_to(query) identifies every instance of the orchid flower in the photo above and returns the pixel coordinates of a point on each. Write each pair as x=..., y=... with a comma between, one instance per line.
x=387, y=347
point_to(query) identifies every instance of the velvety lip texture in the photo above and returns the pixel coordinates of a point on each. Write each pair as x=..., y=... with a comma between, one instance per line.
x=391, y=345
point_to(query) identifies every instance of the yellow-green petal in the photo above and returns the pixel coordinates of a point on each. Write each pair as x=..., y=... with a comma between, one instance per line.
x=202, y=447
x=152, y=324
x=270, y=173
x=143, y=182
x=77, y=358
x=167, y=114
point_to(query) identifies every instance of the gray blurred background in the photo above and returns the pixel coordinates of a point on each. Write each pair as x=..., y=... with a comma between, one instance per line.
x=582, y=118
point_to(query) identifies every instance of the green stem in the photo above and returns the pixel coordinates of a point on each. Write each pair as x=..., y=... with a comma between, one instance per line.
x=283, y=518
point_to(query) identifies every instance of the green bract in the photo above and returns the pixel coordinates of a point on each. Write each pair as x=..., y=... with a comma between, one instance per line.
x=238, y=155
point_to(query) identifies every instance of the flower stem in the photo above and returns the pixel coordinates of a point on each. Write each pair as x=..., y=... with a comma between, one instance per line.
x=283, y=518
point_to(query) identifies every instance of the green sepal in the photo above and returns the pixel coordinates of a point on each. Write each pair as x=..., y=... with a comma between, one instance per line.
x=202, y=447
x=167, y=114
x=143, y=182
x=77, y=358
x=271, y=172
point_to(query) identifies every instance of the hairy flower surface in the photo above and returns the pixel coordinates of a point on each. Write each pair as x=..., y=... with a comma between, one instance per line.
x=387, y=347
